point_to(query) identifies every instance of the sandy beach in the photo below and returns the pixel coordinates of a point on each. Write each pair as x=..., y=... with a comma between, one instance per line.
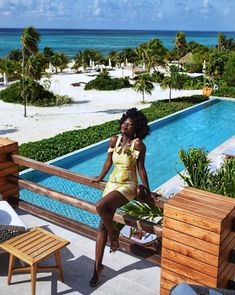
x=88, y=108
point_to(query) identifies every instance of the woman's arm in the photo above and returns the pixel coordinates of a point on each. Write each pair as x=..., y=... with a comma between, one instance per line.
x=108, y=163
x=140, y=146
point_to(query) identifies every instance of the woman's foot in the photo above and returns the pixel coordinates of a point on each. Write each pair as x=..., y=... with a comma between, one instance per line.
x=114, y=244
x=96, y=275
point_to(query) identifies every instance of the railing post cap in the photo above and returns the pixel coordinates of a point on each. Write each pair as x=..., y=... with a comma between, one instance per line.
x=6, y=142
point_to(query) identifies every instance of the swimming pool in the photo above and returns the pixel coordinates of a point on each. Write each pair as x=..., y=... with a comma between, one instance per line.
x=208, y=124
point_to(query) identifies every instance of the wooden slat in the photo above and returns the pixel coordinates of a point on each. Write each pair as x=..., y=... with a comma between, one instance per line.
x=9, y=148
x=6, y=187
x=3, y=158
x=8, y=171
x=188, y=272
x=226, y=275
x=7, y=164
x=230, y=237
x=180, y=214
x=167, y=284
x=192, y=263
x=3, y=180
x=193, y=207
x=46, y=249
x=32, y=243
x=177, y=278
x=191, y=241
x=204, y=199
x=23, y=239
x=190, y=252
x=164, y=291
x=10, y=193
x=209, y=194
x=192, y=230
x=57, y=171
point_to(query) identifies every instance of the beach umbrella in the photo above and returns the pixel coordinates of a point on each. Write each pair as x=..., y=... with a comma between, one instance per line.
x=93, y=65
x=110, y=64
x=90, y=63
x=5, y=79
x=144, y=66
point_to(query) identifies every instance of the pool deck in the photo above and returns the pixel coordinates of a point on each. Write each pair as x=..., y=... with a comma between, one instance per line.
x=123, y=274
x=175, y=184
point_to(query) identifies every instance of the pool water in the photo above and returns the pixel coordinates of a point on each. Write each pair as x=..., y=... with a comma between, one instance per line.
x=206, y=125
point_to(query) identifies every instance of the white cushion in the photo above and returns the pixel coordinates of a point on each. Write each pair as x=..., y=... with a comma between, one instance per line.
x=9, y=216
x=183, y=289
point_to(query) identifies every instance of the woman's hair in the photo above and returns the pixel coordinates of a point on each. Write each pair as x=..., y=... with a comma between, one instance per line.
x=140, y=122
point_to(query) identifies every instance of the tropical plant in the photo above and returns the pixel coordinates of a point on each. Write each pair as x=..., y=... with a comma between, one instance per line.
x=29, y=41
x=104, y=82
x=197, y=167
x=35, y=65
x=224, y=42
x=143, y=211
x=198, y=174
x=173, y=81
x=152, y=53
x=59, y=60
x=180, y=43
x=144, y=84
x=229, y=72
x=15, y=54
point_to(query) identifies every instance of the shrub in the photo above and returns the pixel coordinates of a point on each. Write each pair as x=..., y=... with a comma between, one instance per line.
x=225, y=92
x=104, y=82
x=37, y=95
x=198, y=174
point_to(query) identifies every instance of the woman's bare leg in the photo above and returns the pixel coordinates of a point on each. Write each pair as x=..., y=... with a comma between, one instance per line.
x=101, y=240
x=106, y=208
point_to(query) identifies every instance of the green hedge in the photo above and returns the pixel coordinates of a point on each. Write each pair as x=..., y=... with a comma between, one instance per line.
x=61, y=144
x=39, y=96
x=104, y=82
x=225, y=92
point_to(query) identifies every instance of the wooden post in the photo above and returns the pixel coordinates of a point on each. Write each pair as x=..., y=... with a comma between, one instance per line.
x=7, y=168
x=198, y=239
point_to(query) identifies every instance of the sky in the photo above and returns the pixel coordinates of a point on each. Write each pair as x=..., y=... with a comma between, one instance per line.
x=199, y=15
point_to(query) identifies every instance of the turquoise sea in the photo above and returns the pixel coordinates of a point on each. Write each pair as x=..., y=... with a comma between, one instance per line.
x=72, y=41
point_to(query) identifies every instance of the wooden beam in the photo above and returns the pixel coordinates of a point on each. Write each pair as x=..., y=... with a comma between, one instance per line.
x=57, y=171
x=85, y=205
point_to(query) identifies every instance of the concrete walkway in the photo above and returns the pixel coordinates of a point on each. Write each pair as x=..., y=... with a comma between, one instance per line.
x=123, y=274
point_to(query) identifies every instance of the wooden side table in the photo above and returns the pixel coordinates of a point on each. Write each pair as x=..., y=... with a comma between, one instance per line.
x=33, y=247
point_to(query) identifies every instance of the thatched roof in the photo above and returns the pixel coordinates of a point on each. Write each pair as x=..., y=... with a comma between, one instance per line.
x=187, y=59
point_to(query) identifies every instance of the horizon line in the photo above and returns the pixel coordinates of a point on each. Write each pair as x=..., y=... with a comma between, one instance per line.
x=90, y=29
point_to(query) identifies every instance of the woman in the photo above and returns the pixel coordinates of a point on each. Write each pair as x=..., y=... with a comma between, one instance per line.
x=127, y=153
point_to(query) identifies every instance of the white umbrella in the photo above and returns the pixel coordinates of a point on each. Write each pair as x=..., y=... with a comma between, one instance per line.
x=110, y=64
x=93, y=65
x=90, y=63
x=5, y=79
x=144, y=66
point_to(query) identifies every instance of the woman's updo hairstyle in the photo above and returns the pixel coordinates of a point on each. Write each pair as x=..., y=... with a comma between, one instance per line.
x=140, y=122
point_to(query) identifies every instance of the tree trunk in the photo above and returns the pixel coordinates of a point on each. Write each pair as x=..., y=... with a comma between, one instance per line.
x=143, y=96
x=170, y=95
x=23, y=84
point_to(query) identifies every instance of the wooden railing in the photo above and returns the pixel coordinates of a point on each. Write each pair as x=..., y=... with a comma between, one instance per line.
x=74, y=201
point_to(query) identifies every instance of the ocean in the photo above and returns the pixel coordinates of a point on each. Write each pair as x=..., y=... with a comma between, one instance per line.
x=72, y=41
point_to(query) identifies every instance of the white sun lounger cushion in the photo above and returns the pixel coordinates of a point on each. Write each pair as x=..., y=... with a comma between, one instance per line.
x=8, y=215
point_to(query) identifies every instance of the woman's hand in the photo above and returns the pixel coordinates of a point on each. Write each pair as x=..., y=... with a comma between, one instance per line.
x=96, y=179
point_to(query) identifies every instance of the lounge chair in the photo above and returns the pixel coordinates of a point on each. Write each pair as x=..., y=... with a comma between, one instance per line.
x=186, y=289
x=10, y=223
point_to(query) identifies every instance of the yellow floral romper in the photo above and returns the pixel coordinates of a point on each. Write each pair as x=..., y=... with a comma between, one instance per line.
x=124, y=175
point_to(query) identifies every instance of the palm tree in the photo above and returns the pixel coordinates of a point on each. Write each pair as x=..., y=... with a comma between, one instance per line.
x=144, y=85
x=59, y=60
x=173, y=81
x=29, y=41
x=153, y=53
x=180, y=43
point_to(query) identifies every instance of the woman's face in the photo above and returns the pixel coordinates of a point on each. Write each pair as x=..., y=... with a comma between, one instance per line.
x=128, y=127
